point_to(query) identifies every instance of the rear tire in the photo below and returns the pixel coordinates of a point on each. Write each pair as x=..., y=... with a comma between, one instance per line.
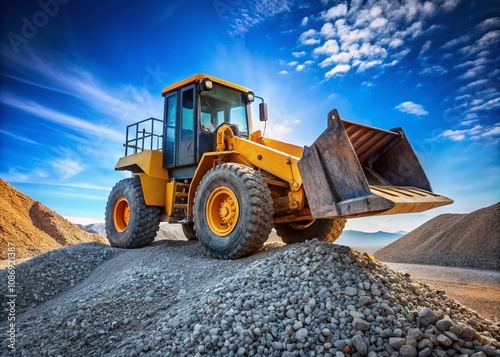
x=189, y=232
x=233, y=211
x=326, y=230
x=130, y=223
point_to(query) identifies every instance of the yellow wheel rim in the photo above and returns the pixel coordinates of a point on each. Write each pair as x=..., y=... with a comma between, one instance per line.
x=121, y=214
x=222, y=211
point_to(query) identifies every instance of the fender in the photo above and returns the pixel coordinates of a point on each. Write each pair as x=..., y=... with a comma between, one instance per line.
x=148, y=166
x=206, y=163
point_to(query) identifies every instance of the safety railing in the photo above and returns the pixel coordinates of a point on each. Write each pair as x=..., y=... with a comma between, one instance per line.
x=146, y=134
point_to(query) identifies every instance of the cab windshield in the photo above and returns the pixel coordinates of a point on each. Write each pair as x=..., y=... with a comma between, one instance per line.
x=223, y=105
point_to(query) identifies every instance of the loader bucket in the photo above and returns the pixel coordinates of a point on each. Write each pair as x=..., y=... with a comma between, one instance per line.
x=355, y=170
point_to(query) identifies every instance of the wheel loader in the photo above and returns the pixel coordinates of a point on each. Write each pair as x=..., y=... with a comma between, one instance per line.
x=203, y=167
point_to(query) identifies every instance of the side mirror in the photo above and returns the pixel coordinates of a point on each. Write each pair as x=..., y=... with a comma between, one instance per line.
x=263, y=112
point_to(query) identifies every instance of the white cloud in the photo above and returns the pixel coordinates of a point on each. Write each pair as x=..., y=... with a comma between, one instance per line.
x=302, y=66
x=468, y=122
x=463, y=97
x=473, y=63
x=335, y=12
x=328, y=48
x=242, y=18
x=473, y=72
x=342, y=57
x=309, y=37
x=338, y=69
x=425, y=47
x=450, y=4
x=429, y=9
x=412, y=108
x=455, y=135
x=365, y=65
x=373, y=34
x=378, y=22
x=433, y=70
x=489, y=105
x=293, y=63
x=478, y=83
x=283, y=72
x=396, y=42
x=476, y=133
x=487, y=24
x=304, y=21
x=327, y=30
x=456, y=41
x=298, y=54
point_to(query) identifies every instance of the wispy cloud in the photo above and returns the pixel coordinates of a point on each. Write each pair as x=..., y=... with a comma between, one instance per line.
x=478, y=132
x=65, y=120
x=412, y=108
x=123, y=103
x=18, y=137
x=69, y=164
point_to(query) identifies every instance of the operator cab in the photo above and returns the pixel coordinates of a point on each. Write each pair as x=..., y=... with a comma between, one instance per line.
x=194, y=109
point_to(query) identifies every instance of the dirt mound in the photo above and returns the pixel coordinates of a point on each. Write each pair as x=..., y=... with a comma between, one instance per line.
x=459, y=240
x=34, y=228
x=314, y=299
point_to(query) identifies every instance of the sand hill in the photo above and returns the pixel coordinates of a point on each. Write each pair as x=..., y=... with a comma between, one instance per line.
x=33, y=227
x=459, y=240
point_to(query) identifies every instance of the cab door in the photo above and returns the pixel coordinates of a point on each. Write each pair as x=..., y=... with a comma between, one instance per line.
x=186, y=153
x=180, y=118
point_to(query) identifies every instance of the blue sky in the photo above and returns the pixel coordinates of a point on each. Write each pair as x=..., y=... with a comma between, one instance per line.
x=74, y=74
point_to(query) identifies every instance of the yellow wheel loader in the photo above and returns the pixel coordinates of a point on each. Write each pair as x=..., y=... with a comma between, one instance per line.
x=202, y=166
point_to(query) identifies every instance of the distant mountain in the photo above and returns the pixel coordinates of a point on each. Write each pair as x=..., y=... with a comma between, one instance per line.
x=368, y=239
x=348, y=237
x=96, y=228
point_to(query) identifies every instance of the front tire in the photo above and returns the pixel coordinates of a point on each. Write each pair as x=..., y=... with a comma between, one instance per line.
x=326, y=230
x=233, y=211
x=130, y=223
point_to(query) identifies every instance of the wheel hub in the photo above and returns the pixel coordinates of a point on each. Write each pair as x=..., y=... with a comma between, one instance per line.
x=222, y=211
x=227, y=211
x=121, y=214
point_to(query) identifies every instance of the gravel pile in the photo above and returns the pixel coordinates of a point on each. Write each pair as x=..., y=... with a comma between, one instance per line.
x=47, y=276
x=456, y=240
x=310, y=299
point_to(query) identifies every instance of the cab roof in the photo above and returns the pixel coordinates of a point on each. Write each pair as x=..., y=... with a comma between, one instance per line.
x=197, y=78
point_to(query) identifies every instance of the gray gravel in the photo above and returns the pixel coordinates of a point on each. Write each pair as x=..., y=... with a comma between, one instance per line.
x=309, y=299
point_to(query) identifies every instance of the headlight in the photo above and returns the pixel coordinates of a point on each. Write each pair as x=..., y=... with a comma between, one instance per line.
x=250, y=97
x=206, y=84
